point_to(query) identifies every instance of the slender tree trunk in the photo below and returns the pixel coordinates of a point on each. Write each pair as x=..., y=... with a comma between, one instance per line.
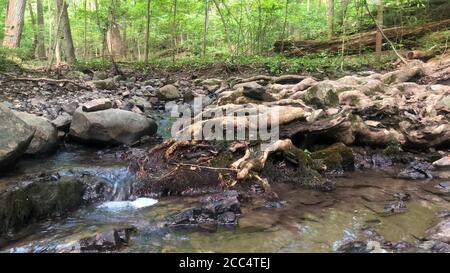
x=14, y=23
x=330, y=18
x=40, y=46
x=174, y=31
x=205, y=28
x=33, y=24
x=147, y=31
x=64, y=33
x=379, y=38
x=85, y=30
x=283, y=35
x=100, y=28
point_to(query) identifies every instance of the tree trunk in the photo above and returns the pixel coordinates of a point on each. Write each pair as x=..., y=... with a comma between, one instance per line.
x=113, y=40
x=64, y=33
x=330, y=19
x=14, y=23
x=205, y=28
x=85, y=30
x=174, y=31
x=33, y=24
x=147, y=31
x=379, y=38
x=40, y=46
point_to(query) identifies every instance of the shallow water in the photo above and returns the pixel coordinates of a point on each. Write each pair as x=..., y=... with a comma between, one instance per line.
x=311, y=221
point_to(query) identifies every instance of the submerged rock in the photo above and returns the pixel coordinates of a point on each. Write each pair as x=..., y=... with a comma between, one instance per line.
x=440, y=232
x=46, y=136
x=417, y=170
x=222, y=208
x=112, y=126
x=15, y=137
x=108, y=240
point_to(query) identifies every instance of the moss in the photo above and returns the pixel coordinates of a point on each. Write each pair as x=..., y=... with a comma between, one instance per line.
x=39, y=200
x=336, y=156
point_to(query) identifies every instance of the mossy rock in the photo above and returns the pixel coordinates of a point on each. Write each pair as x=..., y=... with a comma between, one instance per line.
x=336, y=156
x=322, y=95
x=38, y=200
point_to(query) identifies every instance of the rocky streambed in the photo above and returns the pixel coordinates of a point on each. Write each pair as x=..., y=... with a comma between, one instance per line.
x=362, y=164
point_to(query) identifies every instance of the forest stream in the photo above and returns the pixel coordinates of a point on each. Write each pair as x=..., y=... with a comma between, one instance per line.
x=346, y=219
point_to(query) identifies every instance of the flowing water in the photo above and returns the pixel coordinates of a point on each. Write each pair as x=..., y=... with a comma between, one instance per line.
x=310, y=221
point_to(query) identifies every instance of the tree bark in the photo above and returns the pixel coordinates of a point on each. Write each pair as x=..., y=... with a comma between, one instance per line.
x=40, y=46
x=205, y=28
x=14, y=23
x=33, y=24
x=379, y=38
x=113, y=40
x=147, y=31
x=64, y=33
x=330, y=19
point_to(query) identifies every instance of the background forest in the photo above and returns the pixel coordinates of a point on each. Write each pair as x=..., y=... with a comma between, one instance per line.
x=213, y=29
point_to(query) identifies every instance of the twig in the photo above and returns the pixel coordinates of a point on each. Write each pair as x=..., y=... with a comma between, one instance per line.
x=203, y=167
x=52, y=81
x=384, y=35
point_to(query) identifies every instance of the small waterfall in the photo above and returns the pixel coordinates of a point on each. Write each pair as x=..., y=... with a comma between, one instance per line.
x=121, y=180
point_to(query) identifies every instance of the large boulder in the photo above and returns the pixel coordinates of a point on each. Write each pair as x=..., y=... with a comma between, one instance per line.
x=46, y=137
x=322, y=95
x=112, y=126
x=15, y=136
x=168, y=92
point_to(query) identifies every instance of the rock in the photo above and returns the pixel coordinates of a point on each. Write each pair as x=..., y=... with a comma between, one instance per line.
x=254, y=91
x=444, y=104
x=112, y=126
x=322, y=95
x=107, y=84
x=443, y=163
x=70, y=108
x=354, y=247
x=211, y=82
x=440, y=232
x=97, y=105
x=100, y=75
x=416, y=170
x=336, y=157
x=221, y=208
x=168, y=92
x=108, y=240
x=395, y=208
x=46, y=136
x=15, y=137
x=142, y=103
x=38, y=199
x=62, y=122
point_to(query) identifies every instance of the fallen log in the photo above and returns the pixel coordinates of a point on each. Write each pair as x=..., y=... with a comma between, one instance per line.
x=299, y=48
x=420, y=55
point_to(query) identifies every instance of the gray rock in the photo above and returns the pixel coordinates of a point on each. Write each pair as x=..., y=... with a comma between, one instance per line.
x=168, y=92
x=107, y=84
x=15, y=137
x=46, y=137
x=440, y=232
x=322, y=95
x=142, y=103
x=62, y=122
x=254, y=91
x=70, y=108
x=112, y=126
x=97, y=105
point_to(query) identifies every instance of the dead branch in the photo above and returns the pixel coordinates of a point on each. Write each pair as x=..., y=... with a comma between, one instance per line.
x=48, y=80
